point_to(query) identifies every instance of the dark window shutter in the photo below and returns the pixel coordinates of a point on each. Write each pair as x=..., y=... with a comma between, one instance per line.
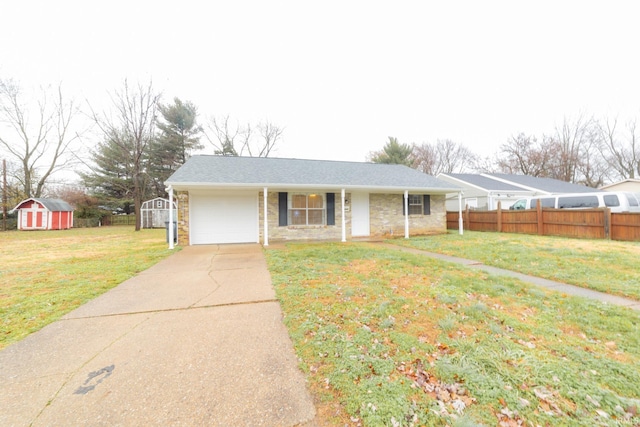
x=403, y=207
x=331, y=209
x=426, y=204
x=282, y=209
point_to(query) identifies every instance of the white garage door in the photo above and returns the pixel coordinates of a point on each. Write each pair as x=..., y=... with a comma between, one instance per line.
x=223, y=218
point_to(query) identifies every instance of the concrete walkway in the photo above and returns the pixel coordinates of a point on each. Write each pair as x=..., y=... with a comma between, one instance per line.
x=195, y=340
x=549, y=284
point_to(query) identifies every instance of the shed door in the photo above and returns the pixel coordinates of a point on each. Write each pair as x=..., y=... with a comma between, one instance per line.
x=223, y=218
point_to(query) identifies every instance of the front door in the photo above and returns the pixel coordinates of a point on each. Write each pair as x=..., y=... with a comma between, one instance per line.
x=360, y=214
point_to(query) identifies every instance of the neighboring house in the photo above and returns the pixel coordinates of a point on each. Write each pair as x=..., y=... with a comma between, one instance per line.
x=257, y=199
x=155, y=213
x=44, y=214
x=628, y=185
x=485, y=190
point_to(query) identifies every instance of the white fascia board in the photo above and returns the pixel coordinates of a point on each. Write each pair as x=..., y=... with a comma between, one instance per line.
x=185, y=186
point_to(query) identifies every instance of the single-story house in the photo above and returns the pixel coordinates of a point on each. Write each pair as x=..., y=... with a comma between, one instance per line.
x=629, y=185
x=224, y=199
x=44, y=214
x=484, y=191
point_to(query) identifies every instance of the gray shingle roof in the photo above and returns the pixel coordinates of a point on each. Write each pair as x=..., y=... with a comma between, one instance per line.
x=552, y=186
x=484, y=182
x=53, y=205
x=220, y=171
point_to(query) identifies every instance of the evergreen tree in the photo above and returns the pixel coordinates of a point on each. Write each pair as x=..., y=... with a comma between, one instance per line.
x=179, y=136
x=394, y=153
x=111, y=179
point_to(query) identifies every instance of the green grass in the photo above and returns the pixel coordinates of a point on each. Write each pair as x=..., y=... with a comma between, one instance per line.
x=391, y=338
x=606, y=266
x=46, y=274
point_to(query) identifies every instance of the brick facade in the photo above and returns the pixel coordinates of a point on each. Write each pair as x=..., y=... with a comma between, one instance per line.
x=182, y=198
x=385, y=219
x=301, y=232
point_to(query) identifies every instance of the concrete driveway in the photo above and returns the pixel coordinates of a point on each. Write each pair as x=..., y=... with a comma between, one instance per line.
x=197, y=339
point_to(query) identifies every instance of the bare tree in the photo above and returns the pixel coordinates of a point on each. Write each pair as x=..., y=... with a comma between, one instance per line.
x=570, y=140
x=270, y=134
x=622, y=155
x=37, y=133
x=592, y=168
x=445, y=156
x=131, y=129
x=224, y=137
x=228, y=139
x=523, y=154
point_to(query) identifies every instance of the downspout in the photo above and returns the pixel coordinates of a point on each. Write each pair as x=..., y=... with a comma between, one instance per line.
x=344, y=226
x=406, y=212
x=460, y=221
x=265, y=222
x=170, y=188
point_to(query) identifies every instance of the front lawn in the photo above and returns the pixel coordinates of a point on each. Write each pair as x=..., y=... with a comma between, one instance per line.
x=46, y=274
x=388, y=338
x=602, y=265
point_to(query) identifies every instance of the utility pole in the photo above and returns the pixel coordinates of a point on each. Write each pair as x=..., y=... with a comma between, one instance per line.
x=4, y=195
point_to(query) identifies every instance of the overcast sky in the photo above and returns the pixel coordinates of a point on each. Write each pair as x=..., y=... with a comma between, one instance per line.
x=342, y=76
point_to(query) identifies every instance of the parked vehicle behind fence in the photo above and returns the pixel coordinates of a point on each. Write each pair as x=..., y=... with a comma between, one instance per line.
x=617, y=201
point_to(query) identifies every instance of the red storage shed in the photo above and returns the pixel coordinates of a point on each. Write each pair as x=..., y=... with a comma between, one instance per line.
x=44, y=214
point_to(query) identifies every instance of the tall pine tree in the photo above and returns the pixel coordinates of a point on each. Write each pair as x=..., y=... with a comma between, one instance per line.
x=179, y=136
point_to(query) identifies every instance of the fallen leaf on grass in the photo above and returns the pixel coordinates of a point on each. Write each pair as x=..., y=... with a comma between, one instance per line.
x=449, y=396
x=592, y=401
x=527, y=344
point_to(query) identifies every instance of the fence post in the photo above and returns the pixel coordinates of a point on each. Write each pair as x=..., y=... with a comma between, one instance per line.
x=467, y=217
x=499, y=213
x=607, y=223
x=539, y=215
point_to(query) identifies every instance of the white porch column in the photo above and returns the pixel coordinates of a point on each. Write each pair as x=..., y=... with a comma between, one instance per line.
x=265, y=222
x=171, y=219
x=460, y=221
x=406, y=216
x=344, y=222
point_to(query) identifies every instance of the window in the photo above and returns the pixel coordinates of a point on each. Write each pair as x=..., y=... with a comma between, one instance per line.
x=548, y=202
x=306, y=209
x=611, y=200
x=573, y=202
x=415, y=204
x=518, y=205
x=419, y=204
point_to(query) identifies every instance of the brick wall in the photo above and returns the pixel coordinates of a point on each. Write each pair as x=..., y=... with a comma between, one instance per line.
x=182, y=198
x=299, y=232
x=386, y=219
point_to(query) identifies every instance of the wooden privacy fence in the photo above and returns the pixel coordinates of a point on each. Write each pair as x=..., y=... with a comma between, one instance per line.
x=581, y=223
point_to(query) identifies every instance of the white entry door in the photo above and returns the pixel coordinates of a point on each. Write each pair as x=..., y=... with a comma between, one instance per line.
x=360, y=214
